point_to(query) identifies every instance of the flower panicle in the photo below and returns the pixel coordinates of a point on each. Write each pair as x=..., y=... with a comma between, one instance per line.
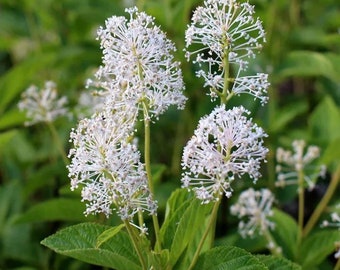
x=138, y=64
x=225, y=145
x=107, y=167
x=290, y=163
x=221, y=33
x=43, y=104
x=254, y=207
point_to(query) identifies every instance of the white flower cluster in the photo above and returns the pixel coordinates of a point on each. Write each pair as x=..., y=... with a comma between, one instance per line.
x=108, y=167
x=138, y=65
x=256, y=207
x=227, y=33
x=226, y=144
x=291, y=163
x=42, y=105
x=138, y=73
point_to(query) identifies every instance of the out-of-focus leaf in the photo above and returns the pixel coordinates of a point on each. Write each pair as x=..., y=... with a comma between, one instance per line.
x=12, y=118
x=20, y=76
x=307, y=63
x=287, y=114
x=317, y=247
x=5, y=137
x=285, y=233
x=55, y=210
x=324, y=124
x=314, y=36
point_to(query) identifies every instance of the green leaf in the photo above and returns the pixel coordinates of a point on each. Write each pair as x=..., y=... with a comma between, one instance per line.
x=79, y=242
x=287, y=114
x=157, y=171
x=331, y=153
x=228, y=258
x=324, y=122
x=182, y=215
x=18, y=78
x=5, y=137
x=108, y=234
x=285, y=233
x=159, y=260
x=306, y=63
x=317, y=247
x=277, y=263
x=56, y=210
x=12, y=118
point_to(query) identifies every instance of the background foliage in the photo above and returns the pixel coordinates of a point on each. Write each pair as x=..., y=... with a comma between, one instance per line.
x=55, y=40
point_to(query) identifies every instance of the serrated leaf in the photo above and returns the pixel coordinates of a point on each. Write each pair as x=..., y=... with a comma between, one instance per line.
x=285, y=233
x=55, y=210
x=277, y=263
x=108, y=234
x=317, y=247
x=228, y=258
x=79, y=242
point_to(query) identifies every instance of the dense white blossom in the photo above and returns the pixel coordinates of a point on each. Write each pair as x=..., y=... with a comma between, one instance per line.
x=42, y=104
x=291, y=163
x=107, y=167
x=225, y=144
x=254, y=207
x=226, y=33
x=138, y=65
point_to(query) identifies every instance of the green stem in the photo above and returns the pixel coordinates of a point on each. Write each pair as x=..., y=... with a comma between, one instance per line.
x=224, y=96
x=337, y=265
x=323, y=203
x=301, y=213
x=58, y=142
x=135, y=244
x=149, y=175
x=272, y=245
x=205, y=234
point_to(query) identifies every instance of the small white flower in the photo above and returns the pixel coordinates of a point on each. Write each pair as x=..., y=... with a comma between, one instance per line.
x=42, y=105
x=254, y=207
x=226, y=144
x=138, y=64
x=108, y=167
x=227, y=33
x=291, y=163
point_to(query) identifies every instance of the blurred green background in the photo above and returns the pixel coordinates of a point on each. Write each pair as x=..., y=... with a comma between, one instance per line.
x=55, y=40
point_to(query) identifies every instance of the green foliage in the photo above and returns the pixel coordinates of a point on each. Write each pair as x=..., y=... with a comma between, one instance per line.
x=317, y=247
x=275, y=263
x=223, y=258
x=55, y=40
x=183, y=213
x=80, y=242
